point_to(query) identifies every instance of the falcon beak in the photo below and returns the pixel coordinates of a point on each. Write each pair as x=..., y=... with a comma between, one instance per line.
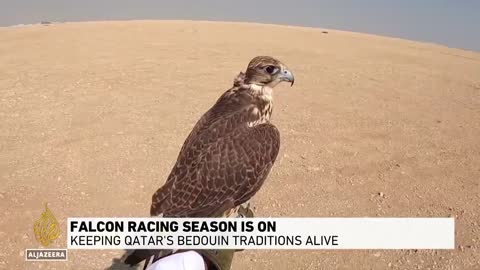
x=287, y=75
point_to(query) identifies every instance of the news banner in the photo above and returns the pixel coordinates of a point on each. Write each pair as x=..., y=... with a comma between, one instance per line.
x=261, y=233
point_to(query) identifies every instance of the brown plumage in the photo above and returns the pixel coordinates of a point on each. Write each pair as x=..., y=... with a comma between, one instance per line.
x=227, y=156
x=230, y=151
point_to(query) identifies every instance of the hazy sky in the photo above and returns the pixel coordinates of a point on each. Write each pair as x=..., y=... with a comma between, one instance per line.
x=455, y=23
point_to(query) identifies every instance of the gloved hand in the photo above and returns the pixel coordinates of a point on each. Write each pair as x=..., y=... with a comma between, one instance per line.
x=189, y=260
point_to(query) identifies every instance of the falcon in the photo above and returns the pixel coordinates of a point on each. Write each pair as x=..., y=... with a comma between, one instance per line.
x=229, y=153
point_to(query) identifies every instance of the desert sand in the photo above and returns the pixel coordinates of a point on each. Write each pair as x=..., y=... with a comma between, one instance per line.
x=92, y=116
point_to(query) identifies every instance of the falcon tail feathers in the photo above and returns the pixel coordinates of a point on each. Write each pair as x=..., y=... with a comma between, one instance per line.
x=139, y=255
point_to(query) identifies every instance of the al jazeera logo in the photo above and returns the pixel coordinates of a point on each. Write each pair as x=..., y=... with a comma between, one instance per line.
x=46, y=230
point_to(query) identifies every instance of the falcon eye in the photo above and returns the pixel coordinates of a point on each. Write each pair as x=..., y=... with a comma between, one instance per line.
x=271, y=69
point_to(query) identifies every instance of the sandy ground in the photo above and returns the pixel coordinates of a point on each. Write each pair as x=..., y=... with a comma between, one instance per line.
x=92, y=116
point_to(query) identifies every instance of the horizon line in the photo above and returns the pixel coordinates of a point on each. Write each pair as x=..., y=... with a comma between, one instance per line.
x=316, y=28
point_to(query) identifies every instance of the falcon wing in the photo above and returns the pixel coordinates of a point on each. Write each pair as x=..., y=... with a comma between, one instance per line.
x=219, y=168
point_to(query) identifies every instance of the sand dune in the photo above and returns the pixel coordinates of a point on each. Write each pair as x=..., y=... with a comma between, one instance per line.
x=92, y=116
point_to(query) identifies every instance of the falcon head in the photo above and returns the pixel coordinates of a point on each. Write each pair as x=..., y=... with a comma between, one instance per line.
x=266, y=70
